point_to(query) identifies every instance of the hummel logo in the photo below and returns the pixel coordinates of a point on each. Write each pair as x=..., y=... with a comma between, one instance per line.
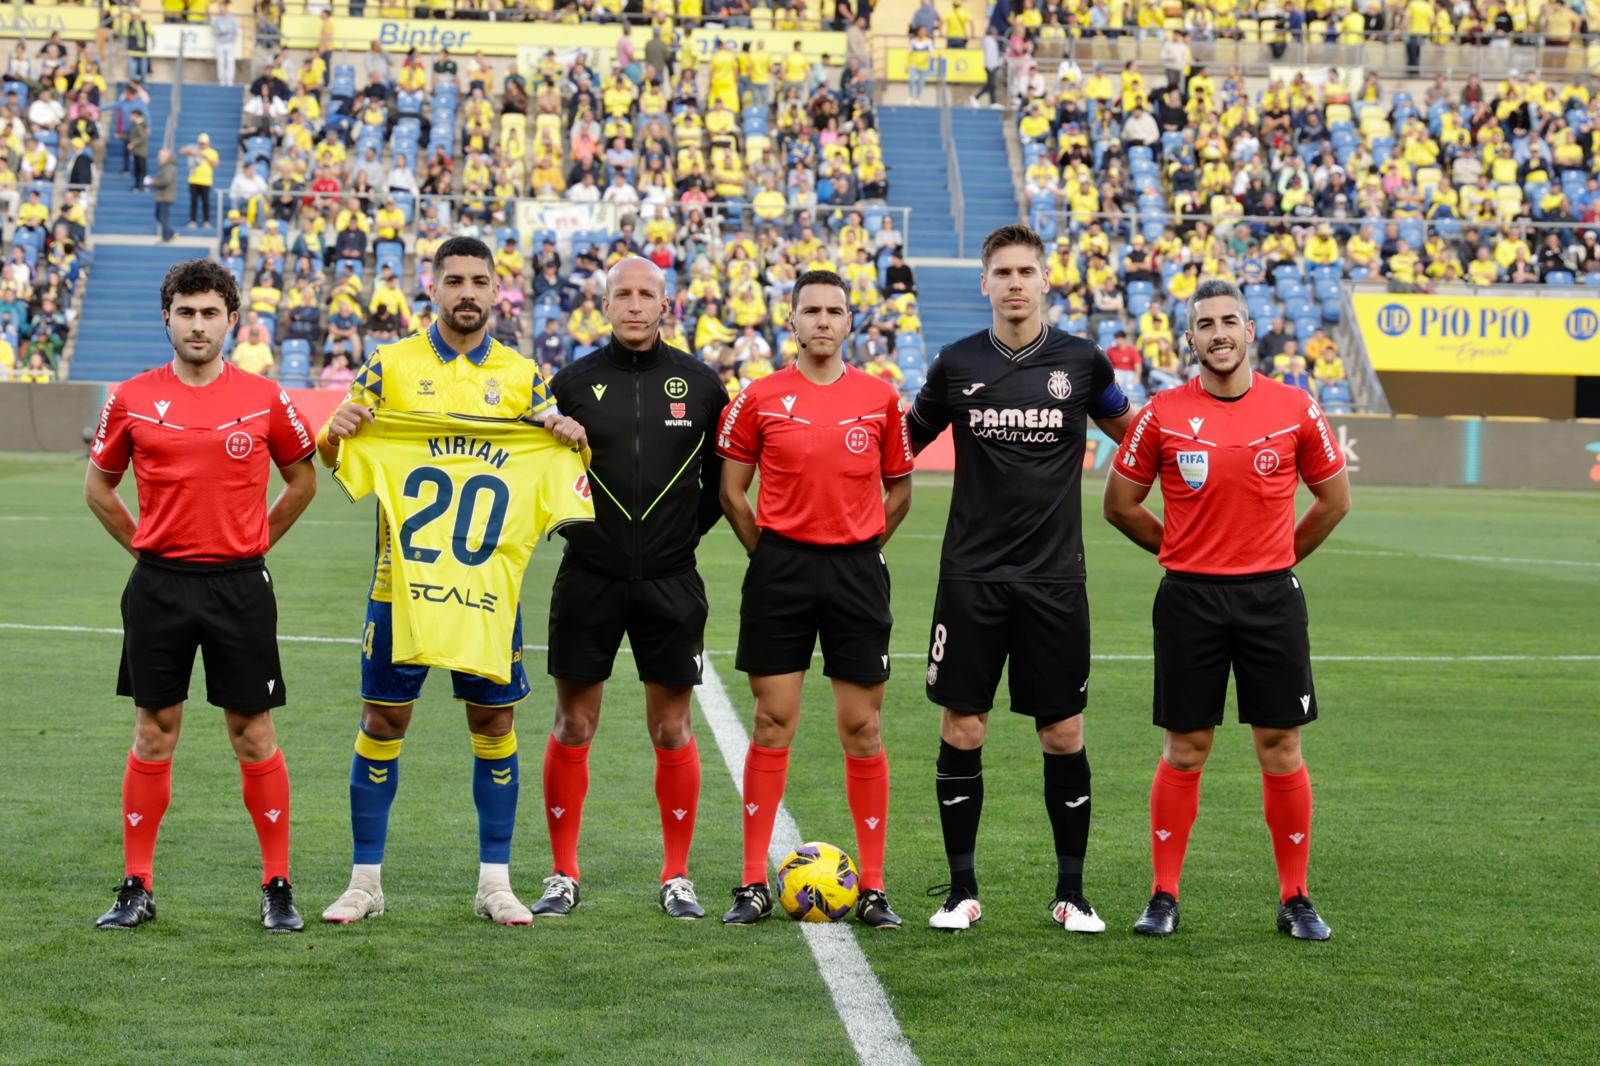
x=1163, y=834
x=558, y=811
x=271, y=684
x=135, y=818
x=501, y=777
x=1079, y=802
x=377, y=776
x=599, y=391
x=872, y=823
x=971, y=389
x=953, y=801
x=885, y=659
x=752, y=808
x=1305, y=704
x=273, y=815
x=679, y=813
x=161, y=407
x=1297, y=837
x=1195, y=424
x=788, y=403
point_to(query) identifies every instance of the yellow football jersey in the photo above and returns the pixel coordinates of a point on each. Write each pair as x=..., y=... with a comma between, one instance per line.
x=422, y=373
x=469, y=499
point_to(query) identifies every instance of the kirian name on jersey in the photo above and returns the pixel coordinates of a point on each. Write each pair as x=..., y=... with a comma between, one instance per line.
x=1012, y=424
x=485, y=601
x=473, y=446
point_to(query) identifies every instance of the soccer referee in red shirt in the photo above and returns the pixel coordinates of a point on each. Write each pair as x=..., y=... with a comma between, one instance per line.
x=202, y=436
x=825, y=436
x=1230, y=448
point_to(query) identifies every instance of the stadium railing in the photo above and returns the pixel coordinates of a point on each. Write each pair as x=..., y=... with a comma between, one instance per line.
x=1366, y=388
x=947, y=142
x=529, y=213
x=1383, y=53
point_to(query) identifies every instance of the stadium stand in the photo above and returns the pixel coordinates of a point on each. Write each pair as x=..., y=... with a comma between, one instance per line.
x=50, y=121
x=1298, y=185
x=365, y=179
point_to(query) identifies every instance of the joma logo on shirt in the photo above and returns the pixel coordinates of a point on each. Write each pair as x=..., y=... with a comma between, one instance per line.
x=450, y=594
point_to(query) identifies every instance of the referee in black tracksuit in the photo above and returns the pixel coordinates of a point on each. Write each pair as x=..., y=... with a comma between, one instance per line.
x=651, y=414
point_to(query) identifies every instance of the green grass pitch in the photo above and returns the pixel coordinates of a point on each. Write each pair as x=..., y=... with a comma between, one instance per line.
x=1455, y=838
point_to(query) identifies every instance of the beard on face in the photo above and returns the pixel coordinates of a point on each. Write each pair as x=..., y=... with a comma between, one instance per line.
x=452, y=318
x=212, y=349
x=1224, y=362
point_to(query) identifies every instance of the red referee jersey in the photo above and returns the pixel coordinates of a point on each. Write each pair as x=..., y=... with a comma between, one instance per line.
x=823, y=452
x=200, y=456
x=1228, y=472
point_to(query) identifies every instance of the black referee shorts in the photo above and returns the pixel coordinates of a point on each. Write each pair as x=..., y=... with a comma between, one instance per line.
x=227, y=610
x=793, y=592
x=1255, y=624
x=664, y=618
x=1043, y=629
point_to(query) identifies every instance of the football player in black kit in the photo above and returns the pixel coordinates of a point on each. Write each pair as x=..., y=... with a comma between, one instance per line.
x=651, y=414
x=1011, y=575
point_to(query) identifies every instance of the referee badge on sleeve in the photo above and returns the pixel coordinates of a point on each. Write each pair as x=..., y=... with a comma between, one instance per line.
x=1193, y=468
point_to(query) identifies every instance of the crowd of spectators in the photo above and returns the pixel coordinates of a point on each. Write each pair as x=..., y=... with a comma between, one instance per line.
x=1495, y=24
x=734, y=173
x=1146, y=183
x=50, y=124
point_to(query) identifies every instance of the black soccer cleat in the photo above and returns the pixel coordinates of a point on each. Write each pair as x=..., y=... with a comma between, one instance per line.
x=561, y=897
x=135, y=905
x=1298, y=918
x=751, y=903
x=679, y=901
x=874, y=912
x=1160, y=917
x=278, y=913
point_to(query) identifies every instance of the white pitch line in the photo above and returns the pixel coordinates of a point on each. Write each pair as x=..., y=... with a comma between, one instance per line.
x=862, y=1004
x=1142, y=658
x=1515, y=560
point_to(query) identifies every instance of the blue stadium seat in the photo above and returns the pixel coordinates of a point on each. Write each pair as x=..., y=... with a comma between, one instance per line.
x=1560, y=277
x=1305, y=327
x=296, y=369
x=1592, y=279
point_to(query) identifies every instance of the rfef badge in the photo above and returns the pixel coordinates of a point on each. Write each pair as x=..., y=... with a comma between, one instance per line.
x=1193, y=468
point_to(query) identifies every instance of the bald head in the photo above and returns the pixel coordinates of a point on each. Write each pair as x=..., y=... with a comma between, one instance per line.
x=636, y=298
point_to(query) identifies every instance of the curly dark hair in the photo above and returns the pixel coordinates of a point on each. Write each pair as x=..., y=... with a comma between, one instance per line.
x=194, y=276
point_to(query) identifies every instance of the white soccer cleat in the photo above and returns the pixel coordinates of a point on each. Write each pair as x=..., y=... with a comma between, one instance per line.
x=496, y=902
x=1075, y=915
x=960, y=911
x=363, y=899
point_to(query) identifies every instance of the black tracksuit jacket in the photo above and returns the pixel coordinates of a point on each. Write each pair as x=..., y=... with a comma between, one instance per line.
x=652, y=419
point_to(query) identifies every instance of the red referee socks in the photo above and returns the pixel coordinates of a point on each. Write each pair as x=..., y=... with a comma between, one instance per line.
x=766, y=771
x=1174, y=802
x=266, y=797
x=678, y=796
x=1286, y=799
x=866, y=786
x=146, y=792
x=566, y=783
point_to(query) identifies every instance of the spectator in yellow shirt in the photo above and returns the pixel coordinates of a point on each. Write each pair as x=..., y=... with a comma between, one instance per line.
x=586, y=325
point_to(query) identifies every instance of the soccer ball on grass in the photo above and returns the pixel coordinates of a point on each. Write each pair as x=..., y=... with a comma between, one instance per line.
x=818, y=883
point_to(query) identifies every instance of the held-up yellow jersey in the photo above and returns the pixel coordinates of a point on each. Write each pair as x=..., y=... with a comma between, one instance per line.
x=467, y=500
x=423, y=373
